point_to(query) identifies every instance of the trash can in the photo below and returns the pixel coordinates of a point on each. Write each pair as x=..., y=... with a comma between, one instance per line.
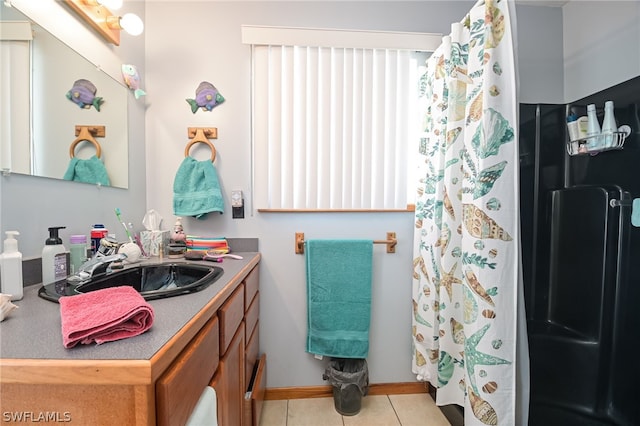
x=350, y=380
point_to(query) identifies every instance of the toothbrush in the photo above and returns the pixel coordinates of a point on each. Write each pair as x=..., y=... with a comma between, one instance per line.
x=123, y=225
x=210, y=256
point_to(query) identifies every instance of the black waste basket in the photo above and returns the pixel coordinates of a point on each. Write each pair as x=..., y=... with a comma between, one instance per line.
x=350, y=380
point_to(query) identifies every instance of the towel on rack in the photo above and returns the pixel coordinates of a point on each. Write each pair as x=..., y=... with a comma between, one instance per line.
x=104, y=316
x=339, y=297
x=213, y=245
x=196, y=189
x=635, y=212
x=87, y=171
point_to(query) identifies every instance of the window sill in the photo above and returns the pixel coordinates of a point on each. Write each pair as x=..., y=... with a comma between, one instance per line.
x=410, y=208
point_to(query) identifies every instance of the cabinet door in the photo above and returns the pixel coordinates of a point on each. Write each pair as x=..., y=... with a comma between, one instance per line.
x=180, y=387
x=229, y=381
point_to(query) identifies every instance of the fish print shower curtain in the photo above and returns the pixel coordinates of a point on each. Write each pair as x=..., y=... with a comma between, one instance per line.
x=466, y=241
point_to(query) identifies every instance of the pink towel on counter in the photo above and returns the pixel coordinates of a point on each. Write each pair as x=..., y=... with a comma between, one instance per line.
x=104, y=316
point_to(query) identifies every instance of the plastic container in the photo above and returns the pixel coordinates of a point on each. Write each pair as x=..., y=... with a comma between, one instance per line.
x=98, y=232
x=54, y=258
x=582, y=126
x=11, y=267
x=572, y=126
x=609, y=126
x=350, y=380
x=77, y=251
x=593, y=129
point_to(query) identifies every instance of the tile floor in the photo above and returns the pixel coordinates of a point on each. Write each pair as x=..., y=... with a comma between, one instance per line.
x=383, y=410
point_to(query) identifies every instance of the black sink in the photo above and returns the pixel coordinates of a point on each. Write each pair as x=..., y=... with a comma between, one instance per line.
x=151, y=281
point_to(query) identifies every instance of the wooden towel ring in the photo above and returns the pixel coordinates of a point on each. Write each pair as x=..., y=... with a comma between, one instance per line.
x=201, y=138
x=85, y=133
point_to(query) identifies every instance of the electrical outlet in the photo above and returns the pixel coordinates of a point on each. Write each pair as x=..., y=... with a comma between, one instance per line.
x=236, y=198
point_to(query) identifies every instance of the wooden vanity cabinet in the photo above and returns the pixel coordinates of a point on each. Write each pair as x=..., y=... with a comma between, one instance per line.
x=218, y=347
x=218, y=356
x=255, y=364
x=236, y=380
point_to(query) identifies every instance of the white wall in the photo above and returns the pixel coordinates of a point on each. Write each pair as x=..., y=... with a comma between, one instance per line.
x=188, y=42
x=601, y=45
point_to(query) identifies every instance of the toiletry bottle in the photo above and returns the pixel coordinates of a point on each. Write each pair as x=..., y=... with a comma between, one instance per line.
x=582, y=126
x=572, y=126
x=54, y=257
x=593, y=129
x=97, y=233
x=609, y=126
x=574, y=133
x=77, y=251
x=11, y=267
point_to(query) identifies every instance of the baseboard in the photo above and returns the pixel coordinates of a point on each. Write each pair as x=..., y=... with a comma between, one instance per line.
x=326, y=391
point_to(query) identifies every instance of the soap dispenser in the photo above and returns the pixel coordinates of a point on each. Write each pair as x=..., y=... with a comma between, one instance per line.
x=54, y=257
x=11, y=267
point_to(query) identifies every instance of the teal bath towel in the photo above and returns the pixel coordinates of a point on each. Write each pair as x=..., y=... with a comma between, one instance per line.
x=196, y=189
x=339, y=297
x=87, y=171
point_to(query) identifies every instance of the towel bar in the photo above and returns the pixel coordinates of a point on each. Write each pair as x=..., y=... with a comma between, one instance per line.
x=391, y=242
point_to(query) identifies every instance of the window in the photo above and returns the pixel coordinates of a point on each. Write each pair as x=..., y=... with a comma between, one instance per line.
x=15, y=88
x=333, y=122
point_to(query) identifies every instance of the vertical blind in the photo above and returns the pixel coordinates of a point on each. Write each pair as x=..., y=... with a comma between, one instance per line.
x=332, y=127
x=15, y=89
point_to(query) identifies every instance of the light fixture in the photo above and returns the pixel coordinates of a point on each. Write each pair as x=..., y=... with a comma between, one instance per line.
x=98, y=14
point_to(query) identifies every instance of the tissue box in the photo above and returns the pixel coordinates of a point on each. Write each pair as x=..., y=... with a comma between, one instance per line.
x=153, y=240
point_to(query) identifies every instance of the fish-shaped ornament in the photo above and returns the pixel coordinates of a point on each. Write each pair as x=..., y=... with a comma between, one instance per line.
x=132, y=79
x=207, y=97
x=83, y=94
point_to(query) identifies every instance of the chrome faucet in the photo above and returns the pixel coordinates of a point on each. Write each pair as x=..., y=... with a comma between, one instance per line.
x=96, y=265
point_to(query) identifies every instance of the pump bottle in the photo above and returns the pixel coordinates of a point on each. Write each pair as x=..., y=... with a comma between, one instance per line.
x=609, y=126
x=594, y=142
x=54, y=258
x=11, y=267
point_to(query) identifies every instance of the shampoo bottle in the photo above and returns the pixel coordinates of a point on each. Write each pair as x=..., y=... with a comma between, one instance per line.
x=54, y=258
x=11, y=267
x=594, y=142
x=609, y=126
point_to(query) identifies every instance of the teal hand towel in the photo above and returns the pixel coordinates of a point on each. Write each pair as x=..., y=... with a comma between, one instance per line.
x=87, y=171
x=635, y=212
x=338, y=297
x=196, y=189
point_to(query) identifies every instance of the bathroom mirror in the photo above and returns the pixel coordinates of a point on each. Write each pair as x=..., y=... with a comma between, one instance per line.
x=41, y=144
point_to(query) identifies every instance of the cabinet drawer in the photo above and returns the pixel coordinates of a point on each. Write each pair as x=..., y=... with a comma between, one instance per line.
x=251, y=352
x=254, y=398
x=180, y=387
x=251, y=316
x=231, y=314
x=251, y=286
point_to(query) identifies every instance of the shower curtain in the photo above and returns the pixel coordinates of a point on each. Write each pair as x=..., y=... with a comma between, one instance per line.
x=466, y=241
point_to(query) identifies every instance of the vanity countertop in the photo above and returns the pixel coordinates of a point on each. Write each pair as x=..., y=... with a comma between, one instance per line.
x=33, y=331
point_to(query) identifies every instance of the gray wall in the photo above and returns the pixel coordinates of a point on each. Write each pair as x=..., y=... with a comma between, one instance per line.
x=539, y=52
x=601, y=45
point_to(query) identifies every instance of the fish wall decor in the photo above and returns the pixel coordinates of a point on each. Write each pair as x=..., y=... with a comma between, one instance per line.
x=207, y=97
x=83, y=93
x=131, y=78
